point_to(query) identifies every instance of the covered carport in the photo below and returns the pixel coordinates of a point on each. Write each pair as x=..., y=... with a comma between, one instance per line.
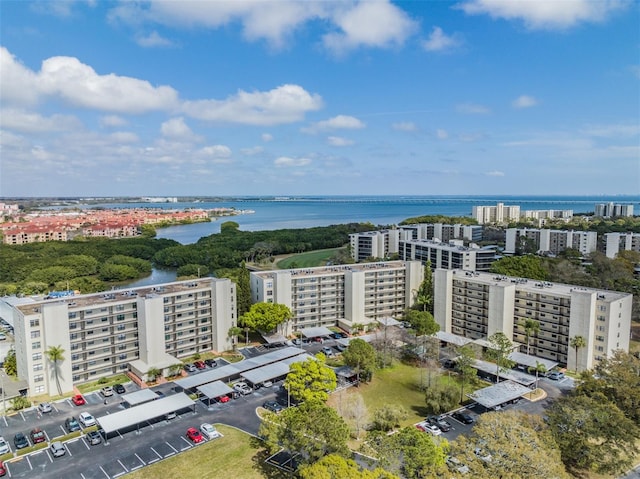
x=214, y=390
x=272, y=371
x=493, y=397
x=138, y=397
x=526, y=361
x=132, y=418
x=317, y=332
x=487, y=369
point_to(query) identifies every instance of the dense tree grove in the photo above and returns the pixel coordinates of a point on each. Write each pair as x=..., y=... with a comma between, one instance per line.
x=334, y=466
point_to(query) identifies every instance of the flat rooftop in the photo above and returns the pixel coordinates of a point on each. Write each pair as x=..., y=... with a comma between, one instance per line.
x=536, y=286
x=337, y=269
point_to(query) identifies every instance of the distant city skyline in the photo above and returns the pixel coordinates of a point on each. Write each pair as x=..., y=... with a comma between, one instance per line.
x=290, y=98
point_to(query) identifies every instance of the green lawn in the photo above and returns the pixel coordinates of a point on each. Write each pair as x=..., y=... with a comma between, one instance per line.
x=236, y=455
x=308, y=260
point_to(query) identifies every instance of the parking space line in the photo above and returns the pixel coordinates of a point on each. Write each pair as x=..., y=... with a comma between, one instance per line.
x=22, y=415
x=4, y=418
x=30, y=465
x=141, y=465
x=123, y=466
x=188, y=444
x=174, y=449
x=104, y=472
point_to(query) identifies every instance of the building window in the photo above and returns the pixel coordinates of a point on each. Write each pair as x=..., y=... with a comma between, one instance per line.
x=35, y=345
x=73, y=315
x=35, y=334
x=34, y=323
x=120, y=317
x=37, y=367
x=38, y=378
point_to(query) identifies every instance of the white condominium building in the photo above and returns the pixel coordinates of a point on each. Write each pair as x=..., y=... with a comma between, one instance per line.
x=477, y=305
x=498, y=214
x=616, y=242
x=542, y=216
x=613, y=209
x=549, y=241
x=380, y=244
x=339, y=295
x=117, y=331
x=450, y=255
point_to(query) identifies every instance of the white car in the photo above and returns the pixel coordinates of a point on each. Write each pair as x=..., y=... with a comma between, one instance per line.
x=57, y=449
x=87, y=419
x=243, y=388
x=107, y=391
x=4, y=446
x=430, y=428
x=209, y=431
x=45, y=407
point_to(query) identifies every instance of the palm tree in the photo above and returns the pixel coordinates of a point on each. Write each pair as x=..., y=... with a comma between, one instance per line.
x=576, y=343
x=55, y=354
x=539, y=368
x=153, y=373
x=531, y=328
x=233, y=333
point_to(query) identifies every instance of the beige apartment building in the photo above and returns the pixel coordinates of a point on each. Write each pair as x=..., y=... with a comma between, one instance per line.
x=341, y=295
x=551, y=241
x=616, y=242
x=477, y=305
x=499, y=214
x=118, y=331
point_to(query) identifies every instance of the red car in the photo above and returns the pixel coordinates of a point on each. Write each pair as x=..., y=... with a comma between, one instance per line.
x=3, y=469
x=37, y=435
x=78, y=400
x=200, y=364
x=194, y=435
x=223, y=399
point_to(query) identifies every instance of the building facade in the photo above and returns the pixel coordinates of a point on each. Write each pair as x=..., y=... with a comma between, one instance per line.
x=542, y=216
x=341, y=295
x=477, y=305
x=452, y=255
x=549, y=241
x=616, y=242
x=108, y=333
x=499, y=214
x=608, y=210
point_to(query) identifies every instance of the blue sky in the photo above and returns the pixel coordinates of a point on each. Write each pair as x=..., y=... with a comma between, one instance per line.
x=184, y=98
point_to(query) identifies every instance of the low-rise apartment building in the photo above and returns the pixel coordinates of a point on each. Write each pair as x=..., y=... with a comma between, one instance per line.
x=547, y=241
x=118, y=331
x=616, y=242
x=542, y=216
x=451, y=255
x=341, y=295
x=477, y=305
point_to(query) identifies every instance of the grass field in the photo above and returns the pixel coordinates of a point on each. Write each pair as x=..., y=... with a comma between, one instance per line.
x=236, y=455
x=308, y=260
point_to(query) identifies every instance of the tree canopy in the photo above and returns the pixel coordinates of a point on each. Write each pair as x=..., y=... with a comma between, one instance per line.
x=361, y=356
x=310, y=380
x=334, y=467
x=265, y=316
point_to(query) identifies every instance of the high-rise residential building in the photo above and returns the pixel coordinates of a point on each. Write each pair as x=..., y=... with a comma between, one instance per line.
x=381, y=244
x=341, y=295
x=543, y=216
x=522, y=240
x=616, y=242
x=104, y=334
x=477, y=305
x=451, y=255
x=608, y=210
x=499, y=214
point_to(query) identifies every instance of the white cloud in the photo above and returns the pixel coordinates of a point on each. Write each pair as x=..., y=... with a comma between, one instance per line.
x=286, y=162
x=124, y=137
x=472, y=109
x=442, y=134
x=266, y=137
x=339, y=141
x=613, y=131
x=405, y=126
x=255, y=150
x=524, y=101
x=438, y=41
x=215, y=151
x=284, y=104
x=154, y=39
x=546, y=14
x=19, y=84
x=20, y=120
x=494, y=173
x=177, y=129
x=369, y=24
x=109, y=121
x=340, y=122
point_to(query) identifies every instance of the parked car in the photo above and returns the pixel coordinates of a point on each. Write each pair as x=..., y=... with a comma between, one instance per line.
x=190, y=368
x=273, y=406
x=327, y=351
x=107, y=391
x=200, y=364
x=463, y=417
x=556, y=375
x=297, y=341
x=209, y=431
x=340, y=347
x=441, y=422
x=45, y=407
x=171, y=415
x=119, y=388
x=57, y=449
x=87, y=419
x=426, y=426
x=37, y=435
x=4, y=446
x=20, y=441
x=78, y=400
x=212, y=363
x=194, y=435
x=450, y=363
x=242, y=388
x=71, y=424
x=223, y=399
x=3, y=469
x=94, y=438
x=3, y=337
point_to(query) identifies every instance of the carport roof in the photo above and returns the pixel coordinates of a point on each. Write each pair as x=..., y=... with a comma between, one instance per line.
x=235, y=369
x=452, y=338
x=272, y=371
x=388, y=321
x=274, y=338
x=365, y=337
x=530, y=361
x=137, y=415
x=315, y=332
x=215, y=389
x=139, y=397
x=498, y=394
x=509, y=374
